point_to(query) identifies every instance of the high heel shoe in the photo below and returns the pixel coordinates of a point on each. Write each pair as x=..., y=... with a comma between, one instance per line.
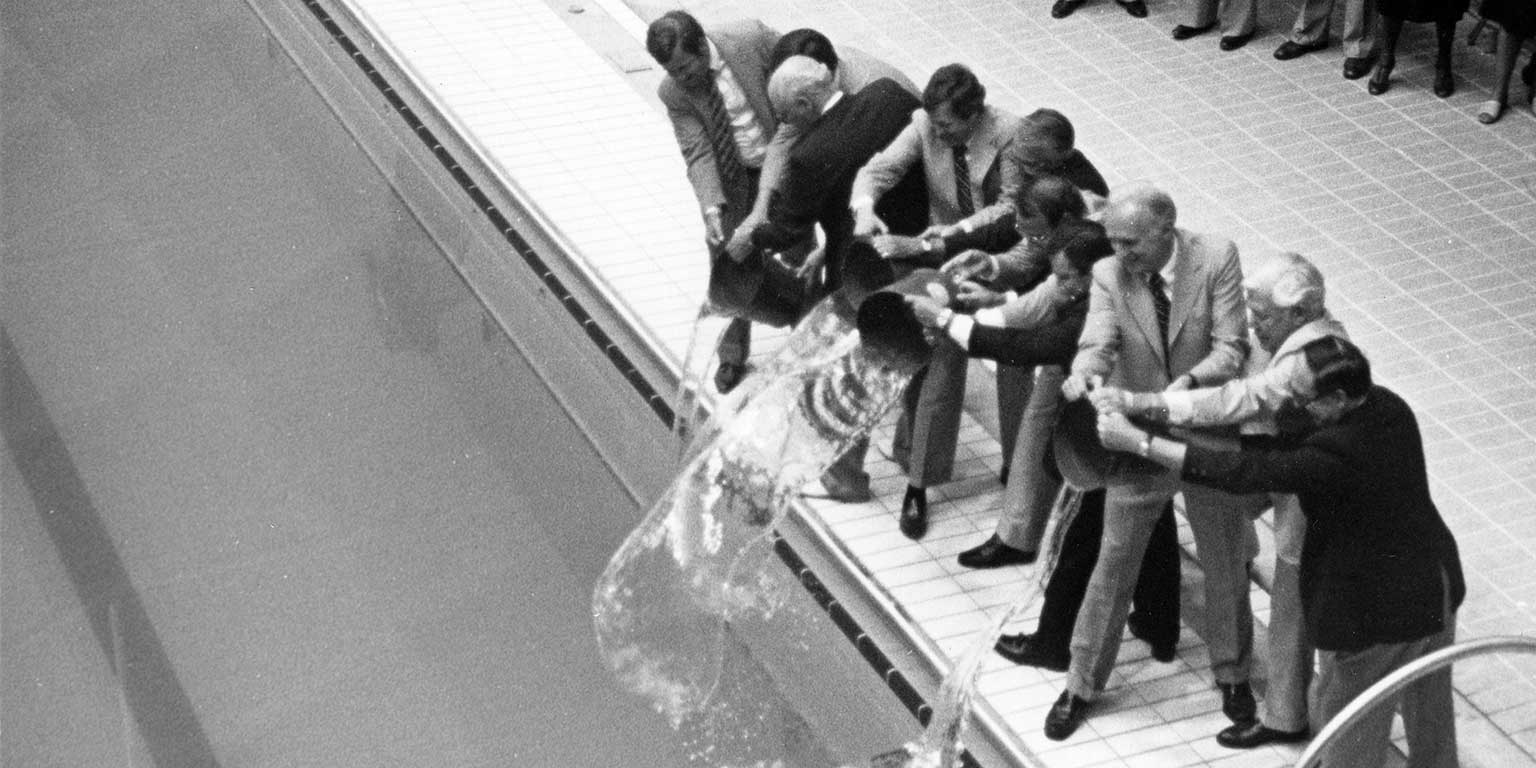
x=1381, y=79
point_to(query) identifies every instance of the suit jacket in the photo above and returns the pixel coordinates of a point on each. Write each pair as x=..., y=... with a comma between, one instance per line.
x=1375, y=543
x=745, y=46
x=1020, y=268
x=1208, y=329
x=918, y=146
x=857, y=69
x=1051, y=343
x=822, y=166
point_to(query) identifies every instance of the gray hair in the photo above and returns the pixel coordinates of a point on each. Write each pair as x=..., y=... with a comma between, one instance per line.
x=797, y=77
x=1290, y=281
x=1143, y=197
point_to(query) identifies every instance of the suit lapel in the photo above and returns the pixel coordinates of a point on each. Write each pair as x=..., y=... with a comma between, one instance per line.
x=1186, y=285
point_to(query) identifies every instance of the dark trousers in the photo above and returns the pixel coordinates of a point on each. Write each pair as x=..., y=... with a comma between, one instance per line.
x=1155, y=604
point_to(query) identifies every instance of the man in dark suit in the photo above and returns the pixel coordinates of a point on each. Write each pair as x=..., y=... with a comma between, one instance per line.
x=1166, y=312
x=1381, y=576
x=839, y=133
x=716, y=96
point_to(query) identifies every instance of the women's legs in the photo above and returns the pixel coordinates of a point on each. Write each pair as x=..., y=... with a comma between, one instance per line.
x=1504, y=71
x=1445, y=42
x=1390, y=29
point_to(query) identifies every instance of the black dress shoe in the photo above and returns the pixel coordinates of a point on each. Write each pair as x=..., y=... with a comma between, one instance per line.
x=1026, y=650
x=1257, y=734
x=1164, y=650
x=1291, y=49
x=914, y=513
x=1064, y=8
x=1136, y=8
x=1234, y=42
x=1065, y=716
x=1002, y=475
x=728, y=375
x=1237, y=702
x=993, y=553
x=1381, y=81
x=1185, y=32
x=1445, y=83
x=1358, y=67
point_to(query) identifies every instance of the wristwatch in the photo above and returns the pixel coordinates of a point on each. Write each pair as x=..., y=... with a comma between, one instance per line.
x=1144, y=448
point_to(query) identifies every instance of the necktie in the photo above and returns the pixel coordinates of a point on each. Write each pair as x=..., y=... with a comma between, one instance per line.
x=733, y=175
x=963, y=181
x=1163, y=305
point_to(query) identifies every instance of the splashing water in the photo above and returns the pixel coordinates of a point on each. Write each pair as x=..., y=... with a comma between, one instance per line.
x=663, y=605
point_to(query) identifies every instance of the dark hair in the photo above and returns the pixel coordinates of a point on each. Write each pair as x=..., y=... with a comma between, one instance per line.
x=674, y=30
x=957, y=86
x=803, y=42
x=1050, y=124
x=1338, y=366
x=1082, y=242
x=1053, y=197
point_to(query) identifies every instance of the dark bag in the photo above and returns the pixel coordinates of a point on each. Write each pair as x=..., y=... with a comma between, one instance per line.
x=764, y=287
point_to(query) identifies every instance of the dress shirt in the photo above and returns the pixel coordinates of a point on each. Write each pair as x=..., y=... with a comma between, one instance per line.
x=745, y=128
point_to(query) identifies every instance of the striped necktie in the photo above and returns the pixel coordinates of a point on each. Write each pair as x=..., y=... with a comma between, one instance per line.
x=1164, y=306
x=963, y=181
x=733, y=175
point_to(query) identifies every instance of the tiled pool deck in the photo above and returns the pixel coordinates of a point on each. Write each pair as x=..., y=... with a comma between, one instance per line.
x=1423, y=220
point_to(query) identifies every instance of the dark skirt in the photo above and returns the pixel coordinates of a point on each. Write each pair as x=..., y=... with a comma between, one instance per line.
x=1422, y=11
x=1515, y=17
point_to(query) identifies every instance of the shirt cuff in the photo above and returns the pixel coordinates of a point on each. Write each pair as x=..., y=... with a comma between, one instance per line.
x=1180, y=405
x=991, y=317
x=862, y=202
x=960, y=330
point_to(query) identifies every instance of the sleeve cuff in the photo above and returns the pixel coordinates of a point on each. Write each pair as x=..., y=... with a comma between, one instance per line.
x=991, y=317
x=960, y=330
x=1180, y=406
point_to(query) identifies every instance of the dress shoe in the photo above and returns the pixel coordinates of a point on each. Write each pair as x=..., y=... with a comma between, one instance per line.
x=1185, y=32
x=1381, y=80
x=1237, y=702
x=914, y=513
x=728, y=375
x=1234, y=42
x=1026, y=650
x=1291, y=49
x=1257, y=734
x=993, y=553
x=1064, y=8
x=1065, y=716
x=1356, y=67
x=1002, y=475
x=1136, y=8
x=1163, y=650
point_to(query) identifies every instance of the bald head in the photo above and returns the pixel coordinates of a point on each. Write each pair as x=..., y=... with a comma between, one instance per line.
x=799, y=88
x=1140, y=222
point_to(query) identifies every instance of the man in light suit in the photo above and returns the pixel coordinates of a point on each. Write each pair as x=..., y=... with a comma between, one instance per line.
x=716, y=96
x=1287, y=312
x=957, y=140
x=1166, y=312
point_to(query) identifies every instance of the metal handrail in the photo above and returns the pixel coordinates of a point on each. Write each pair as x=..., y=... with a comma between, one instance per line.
x=1404, y=676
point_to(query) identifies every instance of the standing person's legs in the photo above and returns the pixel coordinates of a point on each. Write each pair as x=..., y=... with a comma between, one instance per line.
x=1239, y=18
x=1341, y=676
x=1289, y=652
x=1221, y=536
x=936, y=418
x=1032, y=487
x=1429, y=714
x=1014, y=385
x=1199, y=14
x=1130, y=514
x=1155, y=602
x=1311, y=27
x=1359, y=28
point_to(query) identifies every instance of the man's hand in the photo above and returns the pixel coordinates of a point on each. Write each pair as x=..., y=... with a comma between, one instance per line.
x=969, y=265
x=866, y=223
x=897, y=246
x=714, y=227
x=1117, y=433
x=926, y=310
x=740, y=246
x=1110, y=400
x=973, y=296
x=1077, y=385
